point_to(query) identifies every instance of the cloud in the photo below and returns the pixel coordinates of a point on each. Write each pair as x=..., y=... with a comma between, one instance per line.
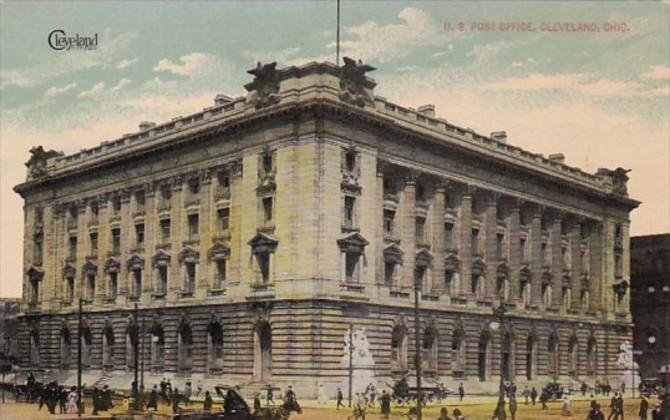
x=657, y=73
x=575, y=82
x=126, y=63
x=95, y=90
x=663, y=91
x=55, y=91
x=122, y=83
x=606, y=87
x=188, y=65
x=281, y=56
x=16, y=78
x=374, y=42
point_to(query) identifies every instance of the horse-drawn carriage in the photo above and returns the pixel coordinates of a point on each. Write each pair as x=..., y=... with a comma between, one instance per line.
x=236, y=408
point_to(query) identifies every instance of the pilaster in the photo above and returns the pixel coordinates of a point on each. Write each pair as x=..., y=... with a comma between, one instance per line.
x=514, y=249
x=536, y=259
x=556, y=260
x=491, y=242
x=437, y=218
x=409, y=227
x=465, y=250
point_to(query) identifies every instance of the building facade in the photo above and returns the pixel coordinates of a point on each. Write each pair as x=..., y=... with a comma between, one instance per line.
x=9, y=310
x=253, y=233
x=650, y=300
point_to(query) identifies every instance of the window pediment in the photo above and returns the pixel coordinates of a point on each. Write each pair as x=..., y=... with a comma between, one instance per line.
x=219, y=251
x=263, y=243
x=525, y=274
x=621, y=287
x=423, y=258
x=112, y=265
x=188, y=254
x=69, y=271
x=451, y=262
x=89, y=268
x=478, y=266
x=353, y=243
x=135, y=262
x=546, y=278
x=161, y=258
x=502, y=272
x=35, y=273
x=393, y=253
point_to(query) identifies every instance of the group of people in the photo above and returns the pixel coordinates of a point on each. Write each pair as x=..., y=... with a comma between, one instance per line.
x=53, y=395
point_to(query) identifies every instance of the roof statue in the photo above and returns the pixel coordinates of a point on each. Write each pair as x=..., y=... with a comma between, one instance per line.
x=266, y=84
x=38, y=161
x=618, y=178
x=354, y=83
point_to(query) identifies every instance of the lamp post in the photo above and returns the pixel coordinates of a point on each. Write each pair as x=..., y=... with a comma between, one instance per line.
x=136, y=385
x=80, y=403
x=499, y=313
x=417, y=346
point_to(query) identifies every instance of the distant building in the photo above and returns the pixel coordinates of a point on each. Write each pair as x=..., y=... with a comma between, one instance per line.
x=9, y=310
x=650, y=302
x=253, y=233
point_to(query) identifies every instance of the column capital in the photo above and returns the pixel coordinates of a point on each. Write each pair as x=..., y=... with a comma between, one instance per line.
x=382, y=167
x=410, y=176
x=236, y=168
x=442, y=185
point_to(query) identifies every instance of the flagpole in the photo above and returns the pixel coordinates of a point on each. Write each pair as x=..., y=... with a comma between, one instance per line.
x=337, y=42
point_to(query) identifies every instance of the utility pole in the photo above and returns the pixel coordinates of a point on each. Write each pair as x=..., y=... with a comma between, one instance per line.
x=136, y=388
x=141, y=333
x=337, y=41
x=351, y=356
x=80, y=403
x=417, y=349
x=500, y=314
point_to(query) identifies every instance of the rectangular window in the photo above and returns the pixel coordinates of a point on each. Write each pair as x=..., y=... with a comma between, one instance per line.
x=449, y=235
x=220, y=273
x=116, y=205
x=163, y=278
x=475, y=241
x=69, y=293
x=565, y=257
x=267, y=164
x=545, y=253
x=73, y=247
x=116, y=240
x=193, y=226
x=165, y=230
x=95, y=211
x=267, y=209
x=224, y=181
x=500, y=243
x=522, y=246
x=224, y=218
x=350, y=161
x=91, y=286
x=349, y=208
x=420, y=230
x=389, y=216
x=618, y=266
x=94, y=242
x=351, y=268
x=264, y=266
x=113, y=285
x=165, y=196
x=190, y=277
x=137, y=283
x=389, y=268
x=139, y=234
x=139, y=200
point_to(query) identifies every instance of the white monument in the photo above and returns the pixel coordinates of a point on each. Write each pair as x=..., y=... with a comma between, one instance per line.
x=630, y=371
x=359, y=359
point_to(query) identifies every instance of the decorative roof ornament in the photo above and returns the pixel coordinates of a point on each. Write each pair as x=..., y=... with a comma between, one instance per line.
x=354, y=84
x=265, y=84
x=617, y=177
x=37, y=164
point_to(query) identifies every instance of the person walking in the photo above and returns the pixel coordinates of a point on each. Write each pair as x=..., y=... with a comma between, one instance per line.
x=567, y=405
x=533, y=395
x=512, y=408
x=526, y=394
x=72, y=401
x=461, y=391
x=96, y=400
x=595, y=413
x=340, y=397
x=257, y=401
x=619, y=404
x=269, y=396
x=614, y=407
x=499, y=412
x=175, y=400
x=153, y=399
x=644, y=408
x=207, y=403
x=544, y=397
x=385, y=401
x=188, y=390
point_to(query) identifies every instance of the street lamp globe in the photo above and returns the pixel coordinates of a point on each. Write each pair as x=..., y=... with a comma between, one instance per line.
x=651, y=339
x=494, y=325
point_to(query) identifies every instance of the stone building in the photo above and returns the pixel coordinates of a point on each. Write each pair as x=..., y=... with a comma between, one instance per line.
x=253, y=233
x=9, y=309
x=650, y=300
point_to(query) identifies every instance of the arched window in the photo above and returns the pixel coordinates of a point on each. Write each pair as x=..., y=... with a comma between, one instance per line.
x=65, y=342
x=35, y=347
x=399, y=349
x=215, y=347
x=573, y=355
x=157, y=348
x=484, y=356
x=108, y=348
x=185, y=348
x=429, y=355
x=531, y=357
x=592, y=356
x=554, y=355
x=86, y=341
x=459, y=351
x=263, y=351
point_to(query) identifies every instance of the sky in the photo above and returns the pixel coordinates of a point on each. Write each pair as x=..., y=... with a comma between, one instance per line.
x=600, y=97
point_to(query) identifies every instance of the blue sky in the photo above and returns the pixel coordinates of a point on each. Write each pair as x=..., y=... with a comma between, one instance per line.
x=600, y=98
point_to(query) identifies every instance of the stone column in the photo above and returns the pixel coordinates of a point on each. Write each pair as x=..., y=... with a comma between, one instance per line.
x=82, y=248
x=104, y=234
x=596, y=262
x=437, y=217
x=379, y=231
x=490, y=243
x=207, y=230
x=52, y=260
x=152, y=235
x=625, y=255
x=236, y=242
x=556, y=260
x=575, y=262
x=465, y=250
x=177, y=237
x=514, y=249
x=128, y=241
x=608, y=268
x=408, y=239
x=536, y=260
